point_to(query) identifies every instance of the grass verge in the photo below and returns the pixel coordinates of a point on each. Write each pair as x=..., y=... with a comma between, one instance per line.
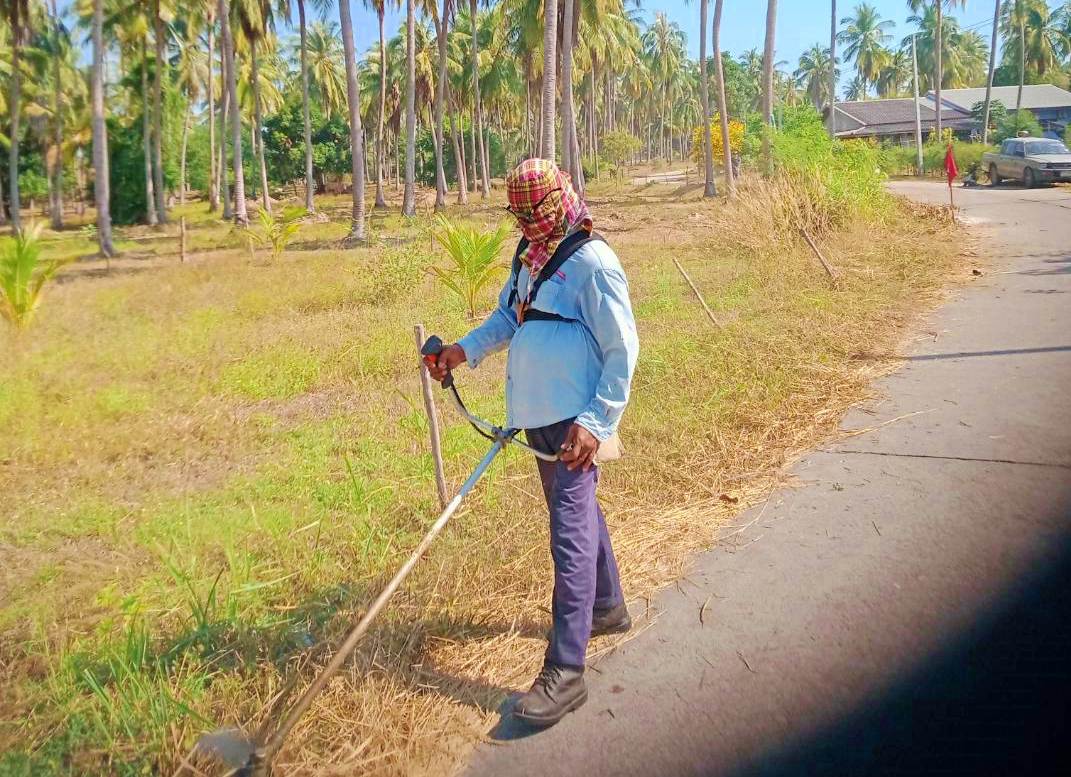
x=210, y=467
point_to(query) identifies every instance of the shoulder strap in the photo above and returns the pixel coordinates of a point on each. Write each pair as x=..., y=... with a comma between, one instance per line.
x=516, y=270
x=565, y=251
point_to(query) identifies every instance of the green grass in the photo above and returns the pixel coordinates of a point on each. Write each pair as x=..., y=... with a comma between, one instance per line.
x=208, y=464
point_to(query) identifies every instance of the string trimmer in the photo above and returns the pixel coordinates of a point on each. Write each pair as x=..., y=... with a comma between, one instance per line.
x=252, y=756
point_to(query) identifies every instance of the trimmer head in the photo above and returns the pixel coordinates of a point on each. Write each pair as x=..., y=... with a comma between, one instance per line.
x=229, y=747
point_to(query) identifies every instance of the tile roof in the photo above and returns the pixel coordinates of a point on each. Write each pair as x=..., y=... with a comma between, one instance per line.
x=878, y=117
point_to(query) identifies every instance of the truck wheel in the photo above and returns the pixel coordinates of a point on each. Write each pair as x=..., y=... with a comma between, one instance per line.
x=1029, y=180
x=994, y=179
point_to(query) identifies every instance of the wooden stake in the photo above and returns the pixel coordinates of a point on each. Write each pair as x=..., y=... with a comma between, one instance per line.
x=182, y=239
x=830, y=271
x=951, y=203
x=433, y=419
x=698, y=296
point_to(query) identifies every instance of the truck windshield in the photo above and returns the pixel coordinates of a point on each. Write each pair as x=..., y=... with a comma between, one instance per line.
x=1047, y=147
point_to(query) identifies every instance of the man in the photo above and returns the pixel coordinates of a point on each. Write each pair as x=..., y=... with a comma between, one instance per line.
x=572, y=351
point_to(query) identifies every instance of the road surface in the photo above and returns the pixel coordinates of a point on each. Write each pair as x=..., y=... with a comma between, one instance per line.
x=906, y=611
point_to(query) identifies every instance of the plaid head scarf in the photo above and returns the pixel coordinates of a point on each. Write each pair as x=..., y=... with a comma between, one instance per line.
x=546, y=206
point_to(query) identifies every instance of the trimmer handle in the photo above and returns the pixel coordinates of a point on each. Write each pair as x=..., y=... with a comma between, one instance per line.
x=430, y=351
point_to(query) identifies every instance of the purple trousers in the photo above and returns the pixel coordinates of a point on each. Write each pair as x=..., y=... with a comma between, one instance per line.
x=585, y=570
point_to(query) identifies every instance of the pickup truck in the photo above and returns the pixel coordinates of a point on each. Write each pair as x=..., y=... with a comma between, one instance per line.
x=1030, y=161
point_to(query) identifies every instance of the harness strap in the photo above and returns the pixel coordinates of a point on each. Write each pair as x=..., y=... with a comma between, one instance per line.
x=565, y=250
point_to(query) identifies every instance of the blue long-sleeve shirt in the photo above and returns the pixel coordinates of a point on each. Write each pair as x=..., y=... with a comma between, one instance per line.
x=556, y=370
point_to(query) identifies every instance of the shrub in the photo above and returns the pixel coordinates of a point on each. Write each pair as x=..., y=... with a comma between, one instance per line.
x=23, y=275
x=845, y=177
x=736, y=139
x=618, y=147
x=1016, y=122
x=474, y=255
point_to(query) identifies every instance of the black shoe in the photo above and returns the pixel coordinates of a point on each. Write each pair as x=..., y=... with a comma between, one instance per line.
x=616, y=620
x=557, y=691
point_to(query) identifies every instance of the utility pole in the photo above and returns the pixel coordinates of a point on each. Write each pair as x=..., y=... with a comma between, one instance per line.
x=918, y=118
x=833, y=71
x=989, y=81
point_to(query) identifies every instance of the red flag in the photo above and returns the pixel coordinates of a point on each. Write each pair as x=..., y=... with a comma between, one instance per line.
x=950, y=165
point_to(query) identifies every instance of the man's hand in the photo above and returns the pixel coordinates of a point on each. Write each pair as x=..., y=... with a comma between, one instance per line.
x=449, y=357
x=579, y=448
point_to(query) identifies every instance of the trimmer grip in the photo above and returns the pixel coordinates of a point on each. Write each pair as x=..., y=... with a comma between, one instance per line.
x=430, y=351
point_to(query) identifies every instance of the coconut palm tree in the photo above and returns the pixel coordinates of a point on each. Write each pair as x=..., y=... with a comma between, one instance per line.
x=813, y=75
x=441, y=19
x=485, y=182
x=723, y=107
x=963, y=54
x=992, y=69
x=326, y=67
x=833, y=70
x=409, y=195
x=856, y=89
x=223, y=11
x=379, y=6
x=663, y=44
x=101, y=188
x=160, y=64
x=767, y=82
x=709, y=189
x=191, y=73
x=570, y=155
x=17, y=13
x=895, y=74
x=938, y=7
x=550, y=42
x=303, y=59
x=1034, y=38
x=865, y=37
x=353, y=100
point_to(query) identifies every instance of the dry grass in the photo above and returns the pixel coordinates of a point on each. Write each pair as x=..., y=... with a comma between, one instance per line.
x=259, y=424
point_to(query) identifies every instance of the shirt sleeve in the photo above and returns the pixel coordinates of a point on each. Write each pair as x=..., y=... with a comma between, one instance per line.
x=607, y=312
x=493, y=334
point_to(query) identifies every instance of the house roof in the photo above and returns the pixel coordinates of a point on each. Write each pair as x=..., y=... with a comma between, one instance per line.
x=1035, y=97
x=891, y=117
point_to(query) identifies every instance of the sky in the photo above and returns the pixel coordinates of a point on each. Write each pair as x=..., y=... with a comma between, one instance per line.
x=800, y=23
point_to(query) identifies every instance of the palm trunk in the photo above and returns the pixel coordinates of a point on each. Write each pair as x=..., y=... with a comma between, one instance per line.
x=709, y=189
x=833, y=70
x=3, y=208
x=101, y=184
x=1022, y=64
x=310, y=205
x=459, y=163
x=767, y=84
x=240, y=216
x=723, y=108
x=353, y=100
x=146, y=140
x=56, y=200
x=213, y=171
x=440, y=100
x=550, y=41
x=14, y=105
x=185, y=145
x=409, y=193
x=224, y=114
x=485, y=184
x=989, y=78
x=258, y=138
x=570, y=141
x=472, y=150
x=157, y=116
x=380, y=165
x=939, y=76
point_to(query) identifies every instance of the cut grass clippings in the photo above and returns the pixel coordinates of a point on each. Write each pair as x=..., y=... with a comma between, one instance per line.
x=209, y=469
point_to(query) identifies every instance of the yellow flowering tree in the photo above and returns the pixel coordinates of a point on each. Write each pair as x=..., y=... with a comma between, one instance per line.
x=736, y=139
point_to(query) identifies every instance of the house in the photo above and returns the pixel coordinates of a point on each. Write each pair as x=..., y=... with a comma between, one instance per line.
x=893, y=121
x=1049, y=103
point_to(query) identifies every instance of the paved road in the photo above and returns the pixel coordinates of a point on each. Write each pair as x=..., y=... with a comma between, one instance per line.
x=906, y=611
